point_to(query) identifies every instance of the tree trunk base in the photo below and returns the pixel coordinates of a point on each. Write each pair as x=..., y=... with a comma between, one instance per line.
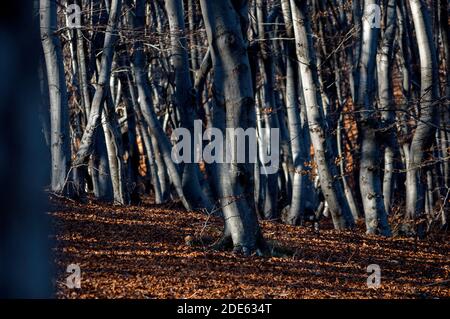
x=225, y=243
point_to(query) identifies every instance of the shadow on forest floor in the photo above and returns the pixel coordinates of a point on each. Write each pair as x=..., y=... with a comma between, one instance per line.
x=140, y=252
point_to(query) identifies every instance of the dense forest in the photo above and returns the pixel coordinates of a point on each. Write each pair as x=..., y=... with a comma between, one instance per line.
x=332, y=114
x=358, y=94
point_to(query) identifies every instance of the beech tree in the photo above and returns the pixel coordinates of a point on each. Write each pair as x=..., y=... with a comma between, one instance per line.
x=361, y=109
x=426, y=124
x=370, y=178
x=226, y=24
x=59, y=109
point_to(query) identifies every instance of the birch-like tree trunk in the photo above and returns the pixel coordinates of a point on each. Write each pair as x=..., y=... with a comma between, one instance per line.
x=145, y=103
x=385, y=59
x=323, y=154
x=185, y=101
x=369, y=174
x=59, y=109
x=268, y=108
x=426, y=125
x=87, y=141
x=297, y=138
x=115, y=154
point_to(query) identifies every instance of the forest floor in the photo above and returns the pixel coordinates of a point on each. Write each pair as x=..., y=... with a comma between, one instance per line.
x=141, y=252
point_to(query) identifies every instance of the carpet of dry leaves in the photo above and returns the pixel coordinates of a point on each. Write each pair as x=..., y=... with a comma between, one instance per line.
x=140, y=252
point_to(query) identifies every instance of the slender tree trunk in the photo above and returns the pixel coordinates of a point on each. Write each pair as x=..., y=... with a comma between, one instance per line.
x=115, y=154
x=296, y=137
x=331, y=187
x=101, y=176
x=145, y=103
x=185, y=101
x=82, y=70
x=370, y=178
x=424, y=133
x=193, y=24
x=385, y=59
x=59, y=110
x=87, y=140
x=445, y=113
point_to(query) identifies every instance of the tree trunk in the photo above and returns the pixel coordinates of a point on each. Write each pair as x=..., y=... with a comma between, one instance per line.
x=226, y=25
x=268, y=108
x=331, y=187
x=115, y=154
x=59, y=109
x=424, y=133
x=145, y=103
x=369, y=174
x=86, y=145
x=185, y=100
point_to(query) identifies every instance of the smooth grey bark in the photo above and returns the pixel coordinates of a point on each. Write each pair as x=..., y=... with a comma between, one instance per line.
x=424, y=133
x=77, y=117
x=145, y=104
x=137, y=123
x=59, y=109
x=331, y=187
x=87, y=141
x=296, y=137
x=193, y=24
x=153, y=169
x=129, y=130
x=99, y=169
x=162, y=184
x=369, y=174
x=268, y=105
x=164, y=178
x=342, y=163
x=115, y=154
x=262, y=148
x=82, y=69
x=404, y=61
x=226, y=24
x=297, y=140
x=349, y=193
x=185, y=101
x=386, y=102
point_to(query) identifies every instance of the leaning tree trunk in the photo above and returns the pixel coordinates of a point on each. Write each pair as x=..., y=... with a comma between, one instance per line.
x=426, y=125
x=369, y=174
x=185, y=102
x=145, y=104
x=86, y=145
x=82, y=70
x=225, y=23
x=59, y=109
x=331, y=187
